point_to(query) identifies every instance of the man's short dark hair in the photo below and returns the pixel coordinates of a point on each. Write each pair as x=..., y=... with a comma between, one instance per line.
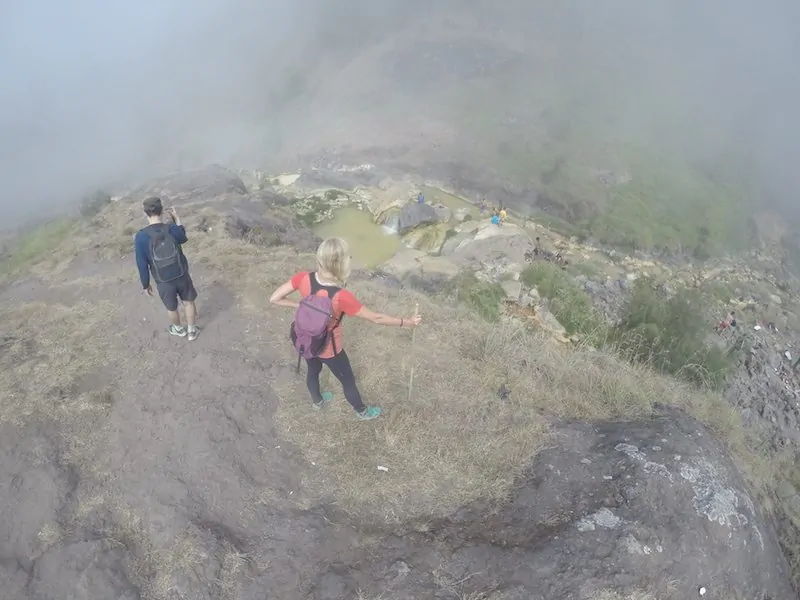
x=152, y=206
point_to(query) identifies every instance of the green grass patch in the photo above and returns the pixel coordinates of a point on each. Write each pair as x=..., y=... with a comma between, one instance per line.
x=309, y=210
x=34, y=243
x=718, y=291
x=585, y=268
x=93, y=203
x=607, y=172
x=570, y=304
x=482, y=297
x=670, y=333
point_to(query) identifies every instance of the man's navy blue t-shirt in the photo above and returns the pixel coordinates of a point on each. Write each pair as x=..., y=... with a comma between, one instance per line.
x=142, y=245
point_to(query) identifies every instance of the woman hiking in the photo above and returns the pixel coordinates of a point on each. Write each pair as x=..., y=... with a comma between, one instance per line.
x=327, y=282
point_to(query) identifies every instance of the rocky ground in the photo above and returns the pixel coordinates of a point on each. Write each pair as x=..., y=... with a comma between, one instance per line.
x=138, y=467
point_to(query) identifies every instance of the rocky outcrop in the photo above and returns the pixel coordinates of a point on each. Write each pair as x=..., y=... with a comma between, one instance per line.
x=414, y=214
x=496, y=251
x=409, y=261
x=265, y=228
x=654, y=505
x=429, y=238
x=764, y=386
x=382, y=198
x=443, y=213
x=213, y=182
x=608, y=296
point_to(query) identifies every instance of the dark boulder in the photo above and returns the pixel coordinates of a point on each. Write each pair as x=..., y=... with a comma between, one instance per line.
x=414, y=214
x=194, y=186
x=266, y=229
x=654, y=506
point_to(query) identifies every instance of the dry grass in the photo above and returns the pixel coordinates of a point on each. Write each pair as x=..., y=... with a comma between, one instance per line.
x=38, y=373
x=612, y=595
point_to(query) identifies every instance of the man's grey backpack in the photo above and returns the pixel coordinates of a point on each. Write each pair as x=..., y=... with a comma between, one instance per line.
x=165, y=254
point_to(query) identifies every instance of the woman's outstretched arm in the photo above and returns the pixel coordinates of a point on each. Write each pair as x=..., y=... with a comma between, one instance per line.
x=389, y=321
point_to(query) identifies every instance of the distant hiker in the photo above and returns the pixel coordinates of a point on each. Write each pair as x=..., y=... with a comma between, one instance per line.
x=728, y=321
x=317, y=328
x=159, y=252
x=421, y=198
x=502, y=214
x=482, y=206
x=537, y=247
x=495, y=219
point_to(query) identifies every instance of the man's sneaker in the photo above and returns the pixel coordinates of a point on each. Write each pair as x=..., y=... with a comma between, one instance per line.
x=369, y=413
x=326, y=399
x=194, y=331
x=177, y=330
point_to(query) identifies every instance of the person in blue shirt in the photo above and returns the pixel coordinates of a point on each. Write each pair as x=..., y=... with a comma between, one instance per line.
x=421, y=198
x=159, y=254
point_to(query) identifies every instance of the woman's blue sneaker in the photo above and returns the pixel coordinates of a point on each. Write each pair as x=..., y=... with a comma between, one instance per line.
x=326, y=399
x=369, y=413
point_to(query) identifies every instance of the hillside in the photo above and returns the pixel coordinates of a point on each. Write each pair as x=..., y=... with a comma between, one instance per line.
x=584, y=113
x=140, y=467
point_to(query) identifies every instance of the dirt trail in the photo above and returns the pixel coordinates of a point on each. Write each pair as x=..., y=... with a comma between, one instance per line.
x=187, y=456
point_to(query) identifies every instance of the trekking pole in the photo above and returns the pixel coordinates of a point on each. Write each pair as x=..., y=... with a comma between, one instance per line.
x=411, y=374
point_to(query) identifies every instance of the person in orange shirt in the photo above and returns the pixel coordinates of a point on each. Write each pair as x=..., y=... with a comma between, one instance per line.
x=333, y=269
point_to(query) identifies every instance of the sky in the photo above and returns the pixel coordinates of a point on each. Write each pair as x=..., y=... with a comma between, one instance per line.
x=96, y=93
x=99, y=92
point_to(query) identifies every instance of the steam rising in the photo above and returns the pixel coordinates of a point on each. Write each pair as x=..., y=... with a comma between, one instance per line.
x=98, y=93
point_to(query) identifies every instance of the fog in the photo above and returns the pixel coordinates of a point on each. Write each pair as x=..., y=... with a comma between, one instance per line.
x=97, y=94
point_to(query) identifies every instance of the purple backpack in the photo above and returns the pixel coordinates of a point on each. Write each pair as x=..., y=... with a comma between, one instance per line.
x=311, y=328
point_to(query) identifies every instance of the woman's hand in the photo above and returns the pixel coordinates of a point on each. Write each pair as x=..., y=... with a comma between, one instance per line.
x=412, y=321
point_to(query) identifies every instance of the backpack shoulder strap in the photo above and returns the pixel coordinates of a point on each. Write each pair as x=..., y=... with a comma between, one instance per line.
x=316, y=286
x=156, y=232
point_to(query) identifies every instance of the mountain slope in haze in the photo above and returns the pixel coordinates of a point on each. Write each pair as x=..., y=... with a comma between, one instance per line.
x=611, y=118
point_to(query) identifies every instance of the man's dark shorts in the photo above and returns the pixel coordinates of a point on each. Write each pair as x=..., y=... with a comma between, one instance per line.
x=182, y=288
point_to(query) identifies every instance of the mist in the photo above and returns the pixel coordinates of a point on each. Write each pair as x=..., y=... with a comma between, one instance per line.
x=103, y=94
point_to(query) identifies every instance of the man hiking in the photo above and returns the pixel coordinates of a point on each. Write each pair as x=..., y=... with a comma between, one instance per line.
x=159, y=252
x=317, y=329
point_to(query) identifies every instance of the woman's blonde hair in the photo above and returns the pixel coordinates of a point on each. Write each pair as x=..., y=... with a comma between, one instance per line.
x=333, y=261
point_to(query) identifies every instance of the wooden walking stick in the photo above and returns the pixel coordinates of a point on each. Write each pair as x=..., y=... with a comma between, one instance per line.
x=411, y=374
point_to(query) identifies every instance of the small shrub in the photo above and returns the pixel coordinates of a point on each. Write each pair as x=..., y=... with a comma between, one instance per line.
x=332, y=195
x=570, y=305
x=94, y=203
x=670, y=334
x=309, y=211
x=482, y=297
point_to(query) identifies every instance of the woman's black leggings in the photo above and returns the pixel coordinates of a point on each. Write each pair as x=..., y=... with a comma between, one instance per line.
x=340, y=367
